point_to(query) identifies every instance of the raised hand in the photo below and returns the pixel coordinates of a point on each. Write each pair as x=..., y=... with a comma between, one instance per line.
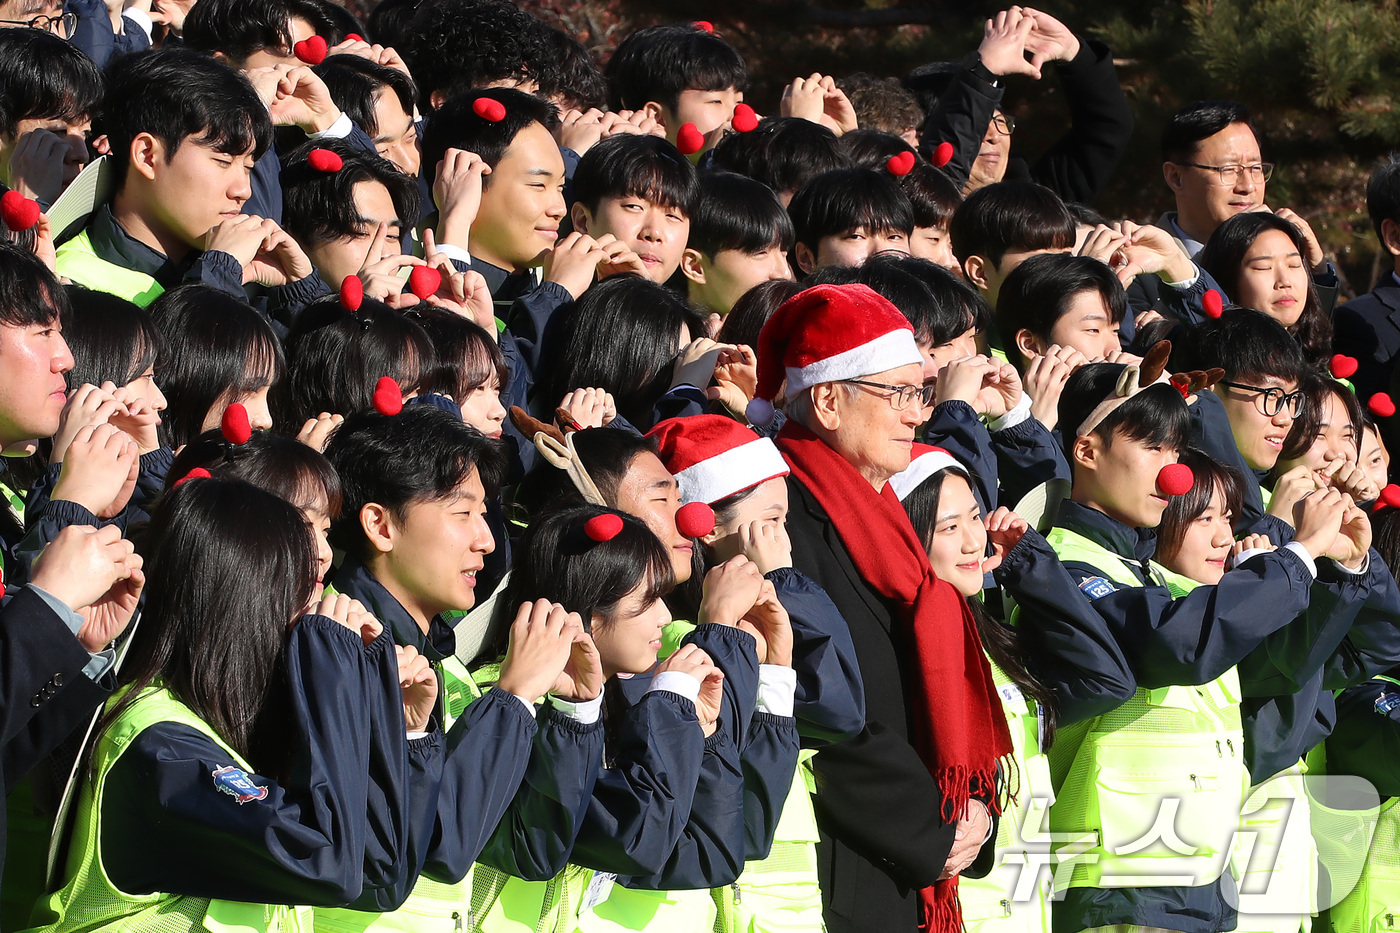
x=541, y=644
x=97, y=574
x=419, y=683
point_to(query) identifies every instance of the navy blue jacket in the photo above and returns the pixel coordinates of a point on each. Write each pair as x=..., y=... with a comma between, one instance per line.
x=1366, y=740
x=830, y=699
x=1005, y=465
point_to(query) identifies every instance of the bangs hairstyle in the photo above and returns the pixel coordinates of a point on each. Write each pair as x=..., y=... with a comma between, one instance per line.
x=783, y=153
x=606, y=453
x=1041, y=290
x=1247, y=344
x=904, y=290
x=1010, y=217
x=29, y=293
x=228, y=567
x=637, y=167
x=1156, y=415
x=932, y=194
x=1308, y=425
x=558, y=562
x=455, y=125
x=320, y=206
x=283, y=466
x=1224, y=256
x=239, y=28
x=112, y=339
x=179, y=96
x=1213, y=479
x=623, y=336
x=657, y=63
x=336, y=356
x=834, y=202
x=745, y=321
x=422, y=454
x=44, y=77
x=1198, y=121
x=737, y=213
x=218, y=349
x=356, y=83
x=467, y=356
x=957, y=306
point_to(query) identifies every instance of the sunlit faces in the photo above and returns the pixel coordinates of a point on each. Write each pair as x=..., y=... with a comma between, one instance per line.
x=874, y=437
x=960, y=347
x=522, y=203
x=181, y=196
x=429, y=553
x=1205, y=544
x=987, y=277
x=851, y=248
x=933, y=244
x=1273, y=278
x=655, y=232
x=1375, y=459
x=629, y=639
x=990, y=165
x=73, y=136
x=482, y=408
x=959, y=540
x=335, y=259
x=33, y=392
x=266, y=58
x=1202, y=201
x=1086, y=325
x=650, y=492
x=1335, y=439
x=1258, y=436
x=717, y=284
x=766, y=503
x=1120, y=479
x=320, y=522
x=708, y=110
x=397, y=139
x=259, y=418
x=144, y=386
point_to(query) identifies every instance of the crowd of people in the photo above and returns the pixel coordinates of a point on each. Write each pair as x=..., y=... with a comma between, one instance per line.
x=454, y=487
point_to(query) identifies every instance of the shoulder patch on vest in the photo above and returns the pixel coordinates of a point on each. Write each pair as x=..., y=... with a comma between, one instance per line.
x=235, y=782
x=1387, y=702
x=1094, y=587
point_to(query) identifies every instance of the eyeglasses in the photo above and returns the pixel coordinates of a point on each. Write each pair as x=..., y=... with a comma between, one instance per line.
x=902, y=395
x=1230, y=174
x=1005, y=125
x=1272, y=399
x=47, y=23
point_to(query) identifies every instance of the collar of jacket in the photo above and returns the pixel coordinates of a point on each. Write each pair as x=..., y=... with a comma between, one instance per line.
x=1137, y=544
x=354, y=580
x=115, y=245
x=505, y=286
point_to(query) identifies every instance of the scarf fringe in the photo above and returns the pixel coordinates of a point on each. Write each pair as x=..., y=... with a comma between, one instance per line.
x=939, y=910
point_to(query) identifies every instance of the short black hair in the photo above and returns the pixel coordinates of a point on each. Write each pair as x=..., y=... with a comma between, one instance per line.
x=112, y=339
x=928, y=82
x=1156, y=415
x=903, y=289
x=181, y=96
x=738, y=213
x=29, y=292
x=355, y=83
x=1040, y=290
x=782, y=152
x=389, y=20
x=745, y=321
x=1383, y=193
x=835, y=202
x=455, y=46
x=282, y=465
x=629, y=165
x=44, y=77
x=1247, y=344
x=240, y=28
x=422, y=454
x=467, y=355
x=455, y=125
x=320, y=206
x=957, y=306
x=657, y=63
x=1198, y=121
x=932, y=194
x=571, y=73
x=338, y=23
x=1010, y=217
x=873, y=148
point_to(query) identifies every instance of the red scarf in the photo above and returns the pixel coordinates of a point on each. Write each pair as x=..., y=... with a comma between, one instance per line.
x=958, y=724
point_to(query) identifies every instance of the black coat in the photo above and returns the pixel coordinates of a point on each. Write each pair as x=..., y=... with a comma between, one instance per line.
x=878, y=808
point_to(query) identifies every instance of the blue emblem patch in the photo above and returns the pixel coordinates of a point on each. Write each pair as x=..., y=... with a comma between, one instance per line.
x=237, y=784
x=1094, y=587
x=1386, y=702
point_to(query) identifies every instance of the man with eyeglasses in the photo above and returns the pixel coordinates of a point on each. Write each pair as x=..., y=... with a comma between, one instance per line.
x=88, y=24
x=963, y=104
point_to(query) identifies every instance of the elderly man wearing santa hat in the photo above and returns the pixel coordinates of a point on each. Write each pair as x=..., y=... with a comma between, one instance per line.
x=906, y=805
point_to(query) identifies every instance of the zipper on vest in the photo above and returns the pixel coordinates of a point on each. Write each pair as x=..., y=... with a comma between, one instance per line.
x=1197, y=781
x=738, y=898
x=456, y=922
x=1230, y=744
x=1005, y=907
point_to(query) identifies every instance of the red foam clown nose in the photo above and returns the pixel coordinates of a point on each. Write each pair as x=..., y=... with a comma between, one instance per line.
x=603, y=527
x=234, y=425
x=689, y=139
x=18, y=212
x=388, y=397
x=1212, y=303
x=352, y=293
x=695, y=520
x=1176, y=479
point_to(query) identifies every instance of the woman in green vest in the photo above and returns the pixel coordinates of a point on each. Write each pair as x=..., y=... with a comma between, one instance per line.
x=255, y=757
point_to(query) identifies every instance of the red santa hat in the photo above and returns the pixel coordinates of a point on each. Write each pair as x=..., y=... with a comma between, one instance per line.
x=713, y=457
x=826, y=334
x=925, y=462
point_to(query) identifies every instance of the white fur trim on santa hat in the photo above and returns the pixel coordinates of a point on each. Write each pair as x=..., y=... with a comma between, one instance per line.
x=888, y=351
x=736, y=469
x=920, y=469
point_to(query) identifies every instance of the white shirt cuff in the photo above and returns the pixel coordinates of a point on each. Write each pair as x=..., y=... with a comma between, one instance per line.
x=338, y=130
x=777, y=686
x=140, y=20
x=529, y=707
x=1188, y=283
x=676, y=682
x=1021, y=411
x=455, y=253
x=418, y=735
x=584, y=711
x=1365, y=566
x=1303, y=555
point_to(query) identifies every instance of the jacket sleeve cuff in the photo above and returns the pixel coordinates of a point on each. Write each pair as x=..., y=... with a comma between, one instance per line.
x=677, y=682
x=1304, y=556
x=1020, y=412
x=101, y=661
x=583, y=711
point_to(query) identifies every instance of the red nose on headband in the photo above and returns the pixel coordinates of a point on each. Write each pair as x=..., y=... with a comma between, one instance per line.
x=388, y=397
x=900, y=165
x=689, y=139
x=324, y=160
x=424, y=281
x=943, y=154
x=704, y=25
x=18, y=212
x=312, y=50
x=695, y=520
x=1342, y=366
x=1176, y=479
x=744, y=119
x=352, y=293
x=1212, y=303
x=196, y=473
x=1381, y=405
x=603, y=527
x=489, y=109
x=234, y=425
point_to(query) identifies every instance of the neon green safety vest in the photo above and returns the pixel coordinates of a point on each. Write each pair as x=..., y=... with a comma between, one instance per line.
x=433, y=906
x=1159, y=782
x=16, y=505
x=89, y=901
x=78, y=262
x=1277, y=870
